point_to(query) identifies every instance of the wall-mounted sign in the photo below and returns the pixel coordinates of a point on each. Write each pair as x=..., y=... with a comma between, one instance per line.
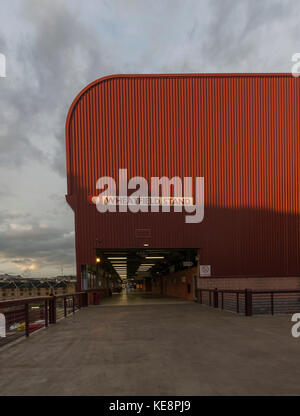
x=205, y=270
x=140, y=200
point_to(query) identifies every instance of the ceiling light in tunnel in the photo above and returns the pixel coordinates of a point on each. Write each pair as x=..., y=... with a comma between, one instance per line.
x=154, y=257
x=117, y=258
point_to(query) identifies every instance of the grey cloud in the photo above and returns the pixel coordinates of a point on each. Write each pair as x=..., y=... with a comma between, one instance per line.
x=23, y=240
x=49, y=67
x=48, y=245
x=241, y=35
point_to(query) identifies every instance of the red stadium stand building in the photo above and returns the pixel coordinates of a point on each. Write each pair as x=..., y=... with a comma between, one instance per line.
x=240, y=133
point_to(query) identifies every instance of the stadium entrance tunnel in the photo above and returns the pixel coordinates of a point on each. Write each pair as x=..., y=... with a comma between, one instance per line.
x=142, y=274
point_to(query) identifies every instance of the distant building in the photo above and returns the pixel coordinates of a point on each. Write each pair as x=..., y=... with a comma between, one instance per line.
x=15, y=287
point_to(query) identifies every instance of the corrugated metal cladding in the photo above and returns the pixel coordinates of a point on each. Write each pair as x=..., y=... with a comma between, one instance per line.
x=240, y=131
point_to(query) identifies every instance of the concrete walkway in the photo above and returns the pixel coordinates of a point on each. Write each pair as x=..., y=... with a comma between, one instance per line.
x=155, y=349
x=130, y=298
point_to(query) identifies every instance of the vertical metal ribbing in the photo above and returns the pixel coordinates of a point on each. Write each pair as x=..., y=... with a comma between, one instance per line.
x=239, y=131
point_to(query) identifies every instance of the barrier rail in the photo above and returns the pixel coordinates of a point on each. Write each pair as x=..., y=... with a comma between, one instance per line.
x=252, y=302
x=95, y=294
x=27, y=315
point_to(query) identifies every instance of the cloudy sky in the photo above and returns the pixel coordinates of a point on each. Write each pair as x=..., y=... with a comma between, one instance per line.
x=54, y=48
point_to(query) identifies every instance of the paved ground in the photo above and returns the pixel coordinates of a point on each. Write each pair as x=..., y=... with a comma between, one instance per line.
x=155, y=349
x=131, y=298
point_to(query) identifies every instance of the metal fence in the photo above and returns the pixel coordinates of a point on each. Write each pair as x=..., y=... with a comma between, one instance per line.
x=25, y=316
x=252, y=302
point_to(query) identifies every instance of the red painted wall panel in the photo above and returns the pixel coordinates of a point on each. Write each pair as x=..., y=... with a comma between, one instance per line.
x=240, y=131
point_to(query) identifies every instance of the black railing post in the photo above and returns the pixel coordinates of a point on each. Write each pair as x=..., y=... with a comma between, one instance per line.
x=272, y=303
x=216, y=298
x=248, y=302
x=222, y=299
x=65, y=306
x=26, y=310
x=46, y=312
x=52, y=310
x=73, y=304
x=86, y=299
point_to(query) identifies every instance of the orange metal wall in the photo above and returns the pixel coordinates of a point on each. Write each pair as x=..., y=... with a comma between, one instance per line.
x=240, y=131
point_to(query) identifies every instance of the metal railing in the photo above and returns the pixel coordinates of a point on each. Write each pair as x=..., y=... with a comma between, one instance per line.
x=61, y=306
x=252, y=302
x=275, y=301
x=25, y=316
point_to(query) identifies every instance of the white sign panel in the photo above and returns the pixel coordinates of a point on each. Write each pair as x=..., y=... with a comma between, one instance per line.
x=205, y=270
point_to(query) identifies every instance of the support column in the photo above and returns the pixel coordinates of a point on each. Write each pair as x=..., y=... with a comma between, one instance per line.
x=162, y=292
x=78, y=276
x=148, y=283
x=84, y=284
